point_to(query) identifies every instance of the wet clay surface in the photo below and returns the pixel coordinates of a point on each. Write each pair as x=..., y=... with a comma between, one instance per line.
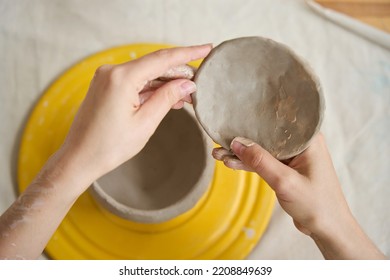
x=259, y=89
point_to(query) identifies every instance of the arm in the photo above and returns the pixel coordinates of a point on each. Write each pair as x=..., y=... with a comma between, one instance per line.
x=309, y=191
x=122, y=111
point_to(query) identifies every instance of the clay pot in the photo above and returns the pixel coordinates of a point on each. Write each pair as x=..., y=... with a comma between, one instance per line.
x=166, y=179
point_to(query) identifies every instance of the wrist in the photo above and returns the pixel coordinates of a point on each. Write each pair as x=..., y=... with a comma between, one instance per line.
x=332, y=238
x=346, y=240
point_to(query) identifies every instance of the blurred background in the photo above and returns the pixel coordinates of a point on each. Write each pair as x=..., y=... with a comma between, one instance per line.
x=40, y=39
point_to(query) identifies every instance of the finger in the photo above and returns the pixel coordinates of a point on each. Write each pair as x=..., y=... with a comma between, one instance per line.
x=145, y=95
x=261, y=161
x=178, y=72
x=153, y=65
x=152, y=85
x=229, y=159
x=220, y=153
x=235, y=163
x=159, y=103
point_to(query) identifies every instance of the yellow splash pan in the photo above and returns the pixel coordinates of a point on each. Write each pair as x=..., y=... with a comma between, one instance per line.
x=226, y=223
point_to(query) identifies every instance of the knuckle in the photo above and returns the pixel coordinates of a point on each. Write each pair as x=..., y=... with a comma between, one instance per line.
x=102, y=69
x=112, y=75
x=115, y=75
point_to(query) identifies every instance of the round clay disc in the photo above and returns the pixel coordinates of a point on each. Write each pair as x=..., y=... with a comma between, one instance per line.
x=259, y=89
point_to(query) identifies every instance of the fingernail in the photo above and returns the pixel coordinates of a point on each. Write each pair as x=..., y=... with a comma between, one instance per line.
x=232, y=162
x=220, y=153
x=244, y=141
x=239, y=144
x=187, y=88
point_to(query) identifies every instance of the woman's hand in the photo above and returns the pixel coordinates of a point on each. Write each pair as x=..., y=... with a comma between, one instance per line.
x=309, y=191
x=123, y=108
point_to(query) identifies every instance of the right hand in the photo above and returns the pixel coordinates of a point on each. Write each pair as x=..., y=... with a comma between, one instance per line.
x=307, y=188
x=309, y=191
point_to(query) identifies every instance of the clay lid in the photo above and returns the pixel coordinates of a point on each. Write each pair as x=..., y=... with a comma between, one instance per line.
x=259, y=89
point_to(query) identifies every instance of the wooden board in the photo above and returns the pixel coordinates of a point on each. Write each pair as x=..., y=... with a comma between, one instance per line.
x=372, y=12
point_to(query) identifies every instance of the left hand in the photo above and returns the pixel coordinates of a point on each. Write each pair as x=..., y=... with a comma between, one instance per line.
x=116, y=119
x=121, y=111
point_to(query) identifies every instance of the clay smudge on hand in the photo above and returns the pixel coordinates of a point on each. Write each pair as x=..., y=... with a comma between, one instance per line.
x=178, y=72
x=24, y=205
x=31, y=200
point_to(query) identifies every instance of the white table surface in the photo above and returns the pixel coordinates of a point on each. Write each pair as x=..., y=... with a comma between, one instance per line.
x=40, y=39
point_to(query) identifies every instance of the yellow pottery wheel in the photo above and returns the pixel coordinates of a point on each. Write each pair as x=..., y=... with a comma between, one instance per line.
x=226, y=224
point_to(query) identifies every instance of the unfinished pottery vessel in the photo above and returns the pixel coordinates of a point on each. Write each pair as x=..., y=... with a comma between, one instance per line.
x=257, y=88
x=166, y=179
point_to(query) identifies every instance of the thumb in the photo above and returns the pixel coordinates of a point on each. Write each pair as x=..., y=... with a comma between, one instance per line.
x=159, y=104
x=262, y=162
